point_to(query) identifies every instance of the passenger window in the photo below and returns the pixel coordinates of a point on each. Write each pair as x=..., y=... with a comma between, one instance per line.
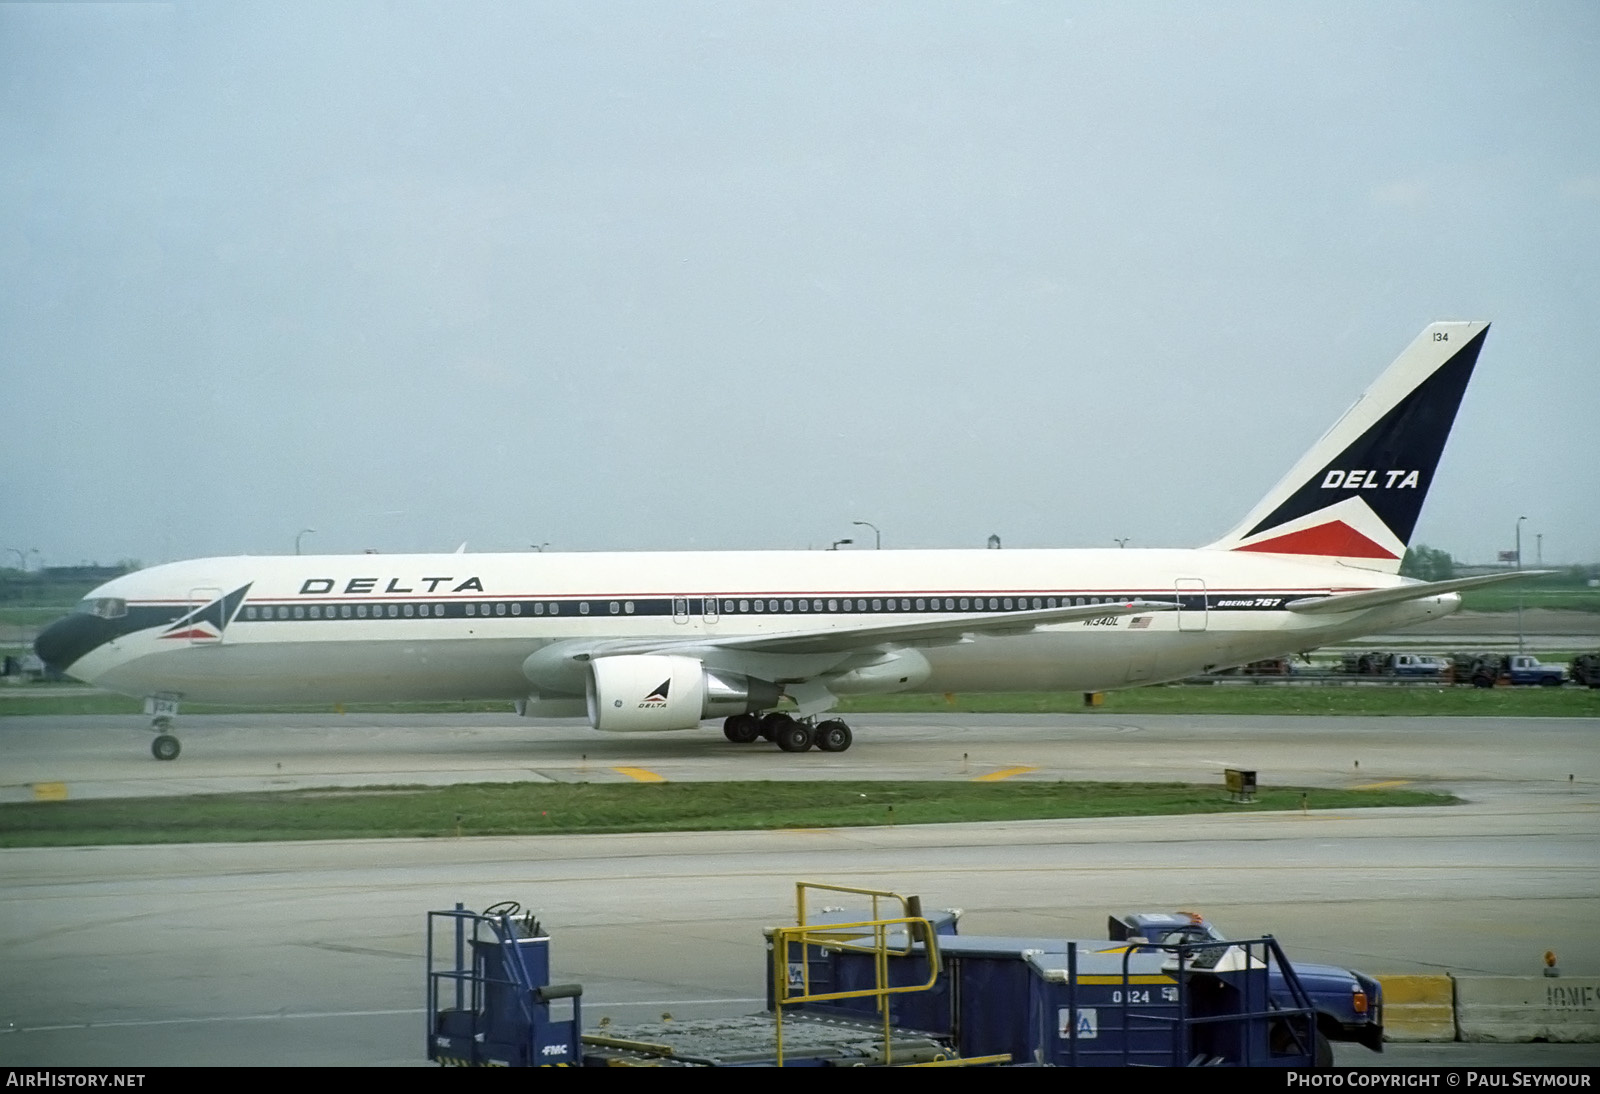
x=516, y=608
x=344, y=611
x=361, y=611
x=538, y=608
x=627, y=606
x=616, y=608
x=966, y=603
x=472, y=609
x=788, y=605
x=583, y=607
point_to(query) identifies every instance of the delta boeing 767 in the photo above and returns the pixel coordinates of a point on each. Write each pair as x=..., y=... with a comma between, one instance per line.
x=664, y=641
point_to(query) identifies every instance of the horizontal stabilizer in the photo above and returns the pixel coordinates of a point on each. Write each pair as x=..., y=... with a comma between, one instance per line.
x=1377, y=598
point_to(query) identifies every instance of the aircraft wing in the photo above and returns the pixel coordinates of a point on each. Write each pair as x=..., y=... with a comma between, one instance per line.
x=847, y=637
x=1377, y=598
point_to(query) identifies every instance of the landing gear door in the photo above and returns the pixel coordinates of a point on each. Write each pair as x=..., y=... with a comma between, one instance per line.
x=1192, y=605
x=206, y=623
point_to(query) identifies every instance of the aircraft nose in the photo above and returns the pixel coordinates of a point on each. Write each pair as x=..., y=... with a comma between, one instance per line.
x=66, y=640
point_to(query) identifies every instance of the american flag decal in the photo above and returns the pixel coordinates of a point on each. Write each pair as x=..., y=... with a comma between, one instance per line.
x=1140, y=622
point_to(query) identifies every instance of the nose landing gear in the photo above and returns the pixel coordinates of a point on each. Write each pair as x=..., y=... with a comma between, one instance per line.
x=162, y=709
x=165, y=746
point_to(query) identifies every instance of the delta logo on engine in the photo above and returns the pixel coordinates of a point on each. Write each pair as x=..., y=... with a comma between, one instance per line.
x=658, y=697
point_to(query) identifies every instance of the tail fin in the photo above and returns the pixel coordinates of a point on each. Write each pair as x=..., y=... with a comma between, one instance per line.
x=1354, y=498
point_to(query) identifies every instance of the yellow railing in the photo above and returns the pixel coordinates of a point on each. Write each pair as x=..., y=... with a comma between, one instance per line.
x=873, y=935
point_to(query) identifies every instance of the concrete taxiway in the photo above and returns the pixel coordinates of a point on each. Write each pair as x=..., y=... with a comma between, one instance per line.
x=311, y=952
x=108, y=755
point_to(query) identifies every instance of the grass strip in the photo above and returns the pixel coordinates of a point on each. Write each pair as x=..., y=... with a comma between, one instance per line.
x=519, y=809
x=1261, y=699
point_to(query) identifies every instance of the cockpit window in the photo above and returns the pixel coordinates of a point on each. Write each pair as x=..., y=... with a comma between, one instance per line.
x=106, y=607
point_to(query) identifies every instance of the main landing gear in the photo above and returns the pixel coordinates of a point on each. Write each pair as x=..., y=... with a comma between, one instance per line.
x=788, y=733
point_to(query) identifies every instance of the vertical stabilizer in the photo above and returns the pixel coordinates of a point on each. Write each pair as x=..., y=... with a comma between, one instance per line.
x=1355, y=497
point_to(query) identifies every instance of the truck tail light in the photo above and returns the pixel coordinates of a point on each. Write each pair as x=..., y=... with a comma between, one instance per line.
x=1358, y=1001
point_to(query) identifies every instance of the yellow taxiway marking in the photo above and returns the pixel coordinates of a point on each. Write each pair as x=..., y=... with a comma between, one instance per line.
x=49, y=792
x=1383, y=785
x=640, y=774
x=1003, y=773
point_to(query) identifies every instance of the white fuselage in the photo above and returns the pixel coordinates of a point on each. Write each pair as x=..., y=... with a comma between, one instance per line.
x=349, y=628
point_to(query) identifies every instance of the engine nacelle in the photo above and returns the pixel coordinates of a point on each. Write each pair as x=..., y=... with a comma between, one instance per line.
x=663, y=691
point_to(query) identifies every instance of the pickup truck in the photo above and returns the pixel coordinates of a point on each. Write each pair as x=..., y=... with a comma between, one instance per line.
x=1517, y=669
x=1349, y=1004
x=1379, y=663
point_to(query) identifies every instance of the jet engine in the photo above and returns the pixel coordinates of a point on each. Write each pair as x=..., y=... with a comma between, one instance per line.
x=661, y=691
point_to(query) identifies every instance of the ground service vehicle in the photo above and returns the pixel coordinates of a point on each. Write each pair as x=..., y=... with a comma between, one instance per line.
x=884, y=987
x=1585, y=670
x=1349, y=1004
x=1380, y=663
x=1516, y=669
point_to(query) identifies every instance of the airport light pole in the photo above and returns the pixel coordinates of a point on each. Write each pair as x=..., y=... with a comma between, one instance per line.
x=1520, y=648
x=836, y=543
x=302, y=533
x=877, y=537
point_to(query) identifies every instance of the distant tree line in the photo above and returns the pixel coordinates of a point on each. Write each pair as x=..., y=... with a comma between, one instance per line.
x=1428, y=563
x=1431, y=564
x=57, y=585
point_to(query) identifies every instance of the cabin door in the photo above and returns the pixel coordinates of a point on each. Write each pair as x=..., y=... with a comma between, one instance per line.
x=1192, y=608
x=205, y=617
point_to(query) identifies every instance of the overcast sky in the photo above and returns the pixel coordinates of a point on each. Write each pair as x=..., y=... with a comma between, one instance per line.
x=734, y=275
